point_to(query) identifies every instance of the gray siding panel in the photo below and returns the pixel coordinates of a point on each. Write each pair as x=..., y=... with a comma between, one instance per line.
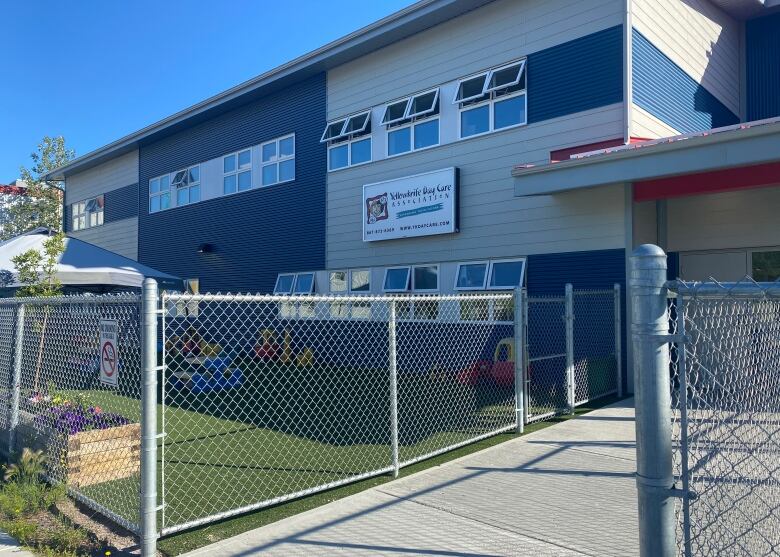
x=498, y=32
x=116, y=173
x=697, y=36
x=493, y=222
x=119, y=236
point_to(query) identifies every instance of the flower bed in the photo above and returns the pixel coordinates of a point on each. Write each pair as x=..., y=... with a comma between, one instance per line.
x=85, y=445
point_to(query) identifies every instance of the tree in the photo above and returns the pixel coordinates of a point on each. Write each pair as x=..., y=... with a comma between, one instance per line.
x=36, y=272
x=42, y=204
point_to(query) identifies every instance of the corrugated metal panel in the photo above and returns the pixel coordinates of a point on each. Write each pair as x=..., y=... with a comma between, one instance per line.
x=254, y=234
x=587, y=270
x=121, y=203
x=578, y=75
x=664, y=90
x=762, y=46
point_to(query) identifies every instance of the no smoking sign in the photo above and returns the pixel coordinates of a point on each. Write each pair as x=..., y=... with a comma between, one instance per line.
x=109, y=355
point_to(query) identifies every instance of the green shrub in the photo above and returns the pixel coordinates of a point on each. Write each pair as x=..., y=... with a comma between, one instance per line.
x=23, y=499
x=67, y=539
x=28, y=469
x=24, y=531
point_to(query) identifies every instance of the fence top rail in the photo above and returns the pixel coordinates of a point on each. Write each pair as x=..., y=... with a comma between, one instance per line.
x=746, y=288
x=334, y=298
x=610, y=291
x=121, y=298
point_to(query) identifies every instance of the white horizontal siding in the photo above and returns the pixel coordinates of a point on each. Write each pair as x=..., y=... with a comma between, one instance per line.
x=697, y=36
x=495, y=33
x=738, y=219
x=493, y=222
x=120, y=237
x=647, y=126
x=116, y=173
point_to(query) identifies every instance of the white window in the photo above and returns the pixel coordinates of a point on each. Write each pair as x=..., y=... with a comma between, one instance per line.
x=349, y=141
x=337, y=281
x=396, y=279
x=412, y=123
x=425, y=278
x=471, y=276
x=492, y=100
x=506, y=274
x=186, y=184
x=360, y=280
x=87, y=213
x=304, y=283
x=159, y=193
x=237, y=172
x=284, y=283
x=278, y=160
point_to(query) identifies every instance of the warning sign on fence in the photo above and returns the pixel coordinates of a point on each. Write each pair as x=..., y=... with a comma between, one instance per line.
x=109, y=353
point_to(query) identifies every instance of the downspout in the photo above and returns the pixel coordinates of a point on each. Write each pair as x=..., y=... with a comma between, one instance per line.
x=628, y=87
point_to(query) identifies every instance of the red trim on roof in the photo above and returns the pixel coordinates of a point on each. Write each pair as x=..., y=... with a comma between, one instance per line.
x=565, y=154
x=12, y=190
x=730, y=179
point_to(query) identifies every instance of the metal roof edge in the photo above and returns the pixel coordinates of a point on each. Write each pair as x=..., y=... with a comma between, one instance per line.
x=362, y=37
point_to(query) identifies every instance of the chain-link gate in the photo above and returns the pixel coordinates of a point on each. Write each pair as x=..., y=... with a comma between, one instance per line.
x=726, y=418
x=50, y=358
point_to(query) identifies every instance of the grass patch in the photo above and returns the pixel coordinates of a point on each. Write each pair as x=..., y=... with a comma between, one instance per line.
x=194, y=539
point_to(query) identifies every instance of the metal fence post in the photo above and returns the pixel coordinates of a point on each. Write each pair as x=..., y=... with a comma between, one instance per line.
x=650, y=337
x=618, y=342
x=13, y=419
x=570, y=385
x=519, y=349
x=148, y=501
x=393, y=388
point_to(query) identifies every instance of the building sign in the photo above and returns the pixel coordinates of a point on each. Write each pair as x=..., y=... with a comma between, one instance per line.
x=109, y=354
x=420, y=205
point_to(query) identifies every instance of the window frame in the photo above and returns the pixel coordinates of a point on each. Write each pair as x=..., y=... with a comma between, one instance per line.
x=311, y=287
x=483, y=74
x=330, y=281
x=521, y=63
x=438, y=278
x=159, y=193
x=348, y=143
x=346, y=119
x=423, y=113
x=408, y=269
x=79, y=210
x=279, y=276
x=279, y=160
x=367, y=270
x=236, y=171
x=189, y=185
x=499, y=261
x=486, y=263
x=412, y=124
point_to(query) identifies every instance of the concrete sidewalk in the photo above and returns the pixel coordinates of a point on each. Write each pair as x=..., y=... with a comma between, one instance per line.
x=566, y=490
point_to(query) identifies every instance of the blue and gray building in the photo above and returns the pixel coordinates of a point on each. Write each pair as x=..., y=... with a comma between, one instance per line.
x=465, y=145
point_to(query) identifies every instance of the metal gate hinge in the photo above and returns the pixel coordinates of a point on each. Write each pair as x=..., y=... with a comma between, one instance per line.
x=666, y=337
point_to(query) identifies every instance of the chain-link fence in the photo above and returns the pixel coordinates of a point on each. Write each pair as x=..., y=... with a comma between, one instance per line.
x=725, y=386
x=51, y=353
x=268, y=398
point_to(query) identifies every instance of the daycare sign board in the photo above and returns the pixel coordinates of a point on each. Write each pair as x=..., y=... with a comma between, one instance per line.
x=109, y=353
x=419, y=205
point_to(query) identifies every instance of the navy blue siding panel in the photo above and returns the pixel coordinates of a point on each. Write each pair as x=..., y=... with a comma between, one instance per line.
x=762, y=46
x=664, y=90
x=578, y=75
x=66, y=220
x=255, y=234
x=121, y=203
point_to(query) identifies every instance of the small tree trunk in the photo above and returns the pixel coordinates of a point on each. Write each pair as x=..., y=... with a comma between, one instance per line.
x=39, y=363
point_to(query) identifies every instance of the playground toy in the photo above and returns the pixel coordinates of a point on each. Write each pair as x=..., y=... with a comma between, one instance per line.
x=217, y=377
x=501, y=369
x=269, y=348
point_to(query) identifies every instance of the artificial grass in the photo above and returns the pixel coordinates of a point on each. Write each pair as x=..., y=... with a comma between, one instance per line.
x=194, y=539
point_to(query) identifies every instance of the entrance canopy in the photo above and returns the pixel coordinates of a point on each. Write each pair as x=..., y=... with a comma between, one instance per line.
x=82, y=266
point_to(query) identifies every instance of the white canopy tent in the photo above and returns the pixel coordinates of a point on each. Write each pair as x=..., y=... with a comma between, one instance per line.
x=82, y=266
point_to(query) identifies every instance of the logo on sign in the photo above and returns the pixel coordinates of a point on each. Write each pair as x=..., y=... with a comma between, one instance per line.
x=109, y=359
x=109, y=355
x=376, y=208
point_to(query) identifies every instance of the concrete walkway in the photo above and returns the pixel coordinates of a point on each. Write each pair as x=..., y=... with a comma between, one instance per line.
x=10, y=547
x=566, y=490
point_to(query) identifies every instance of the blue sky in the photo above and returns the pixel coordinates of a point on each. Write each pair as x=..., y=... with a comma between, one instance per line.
x=95, y=70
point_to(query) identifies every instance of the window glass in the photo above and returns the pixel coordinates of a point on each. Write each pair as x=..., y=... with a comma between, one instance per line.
x=229, y=163
x=269, y=174
x=361, y=151
x=766, y=266
x=357, y=123
x=165, y=183
x=338, y=281
x=471, y=275
x=470, y=88
x=304, y=283
x=428, y=309
x=194, y=174
x=395, y=111
x=269, y=152
x=333, y=130
x=505, y=77
x=287, y=170
x=426, y=277
x=244, y=159
x=165, y=201
x=474, y=309
x=338, y=157
x=182, y=196
x=426, y=134
x=154, y=205
x=506, y=274
x=284, y=284
x=475, y=120
x=399, y=141
x=424, y=103
x=509, y=112
x=229, y=184
x=287, y=147
x=194, y=194
x=397, y=279
x=154, y=185
x=179, y=179
x=244, y=180
x=360, y=281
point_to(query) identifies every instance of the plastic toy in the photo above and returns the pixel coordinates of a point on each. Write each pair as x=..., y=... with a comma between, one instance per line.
x=269, y=348
x=305, y=358
x=503, y=369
